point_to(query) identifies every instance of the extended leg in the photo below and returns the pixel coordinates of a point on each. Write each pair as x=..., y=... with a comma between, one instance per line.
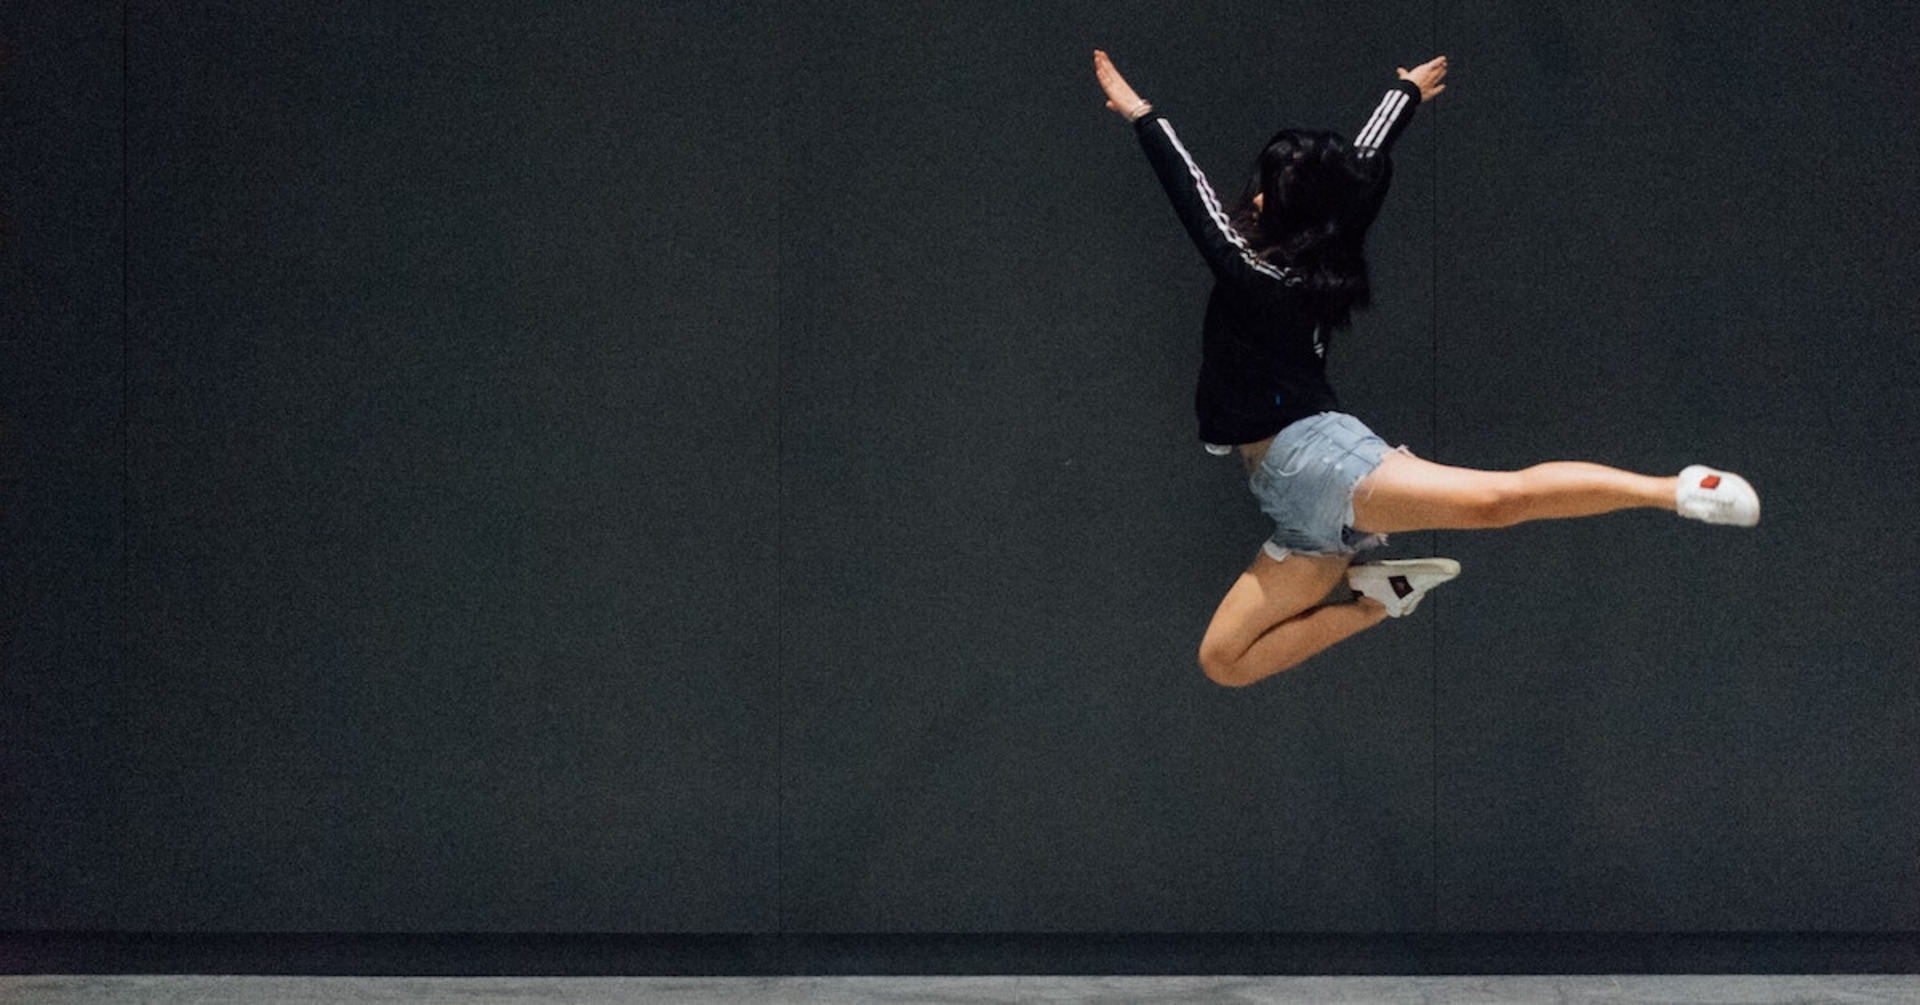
x=1406, y=493
x=1273, y=619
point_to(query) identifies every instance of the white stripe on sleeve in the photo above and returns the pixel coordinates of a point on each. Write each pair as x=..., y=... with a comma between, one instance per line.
x=1377, y=127
x=1212, y=203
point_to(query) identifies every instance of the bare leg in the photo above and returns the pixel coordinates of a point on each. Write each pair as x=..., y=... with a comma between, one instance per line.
x=1406, y=493
x=1273, y=619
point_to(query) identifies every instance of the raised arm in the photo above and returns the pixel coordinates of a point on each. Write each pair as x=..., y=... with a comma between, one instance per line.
x=1193, y=198
x=1390, y=118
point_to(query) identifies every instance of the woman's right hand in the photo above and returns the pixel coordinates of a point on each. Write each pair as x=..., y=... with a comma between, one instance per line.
x=1427, y=77
x=1120, y=97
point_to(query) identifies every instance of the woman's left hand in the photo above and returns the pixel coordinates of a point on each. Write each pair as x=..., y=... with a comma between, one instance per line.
x=1120, y=97
x=1427, y=77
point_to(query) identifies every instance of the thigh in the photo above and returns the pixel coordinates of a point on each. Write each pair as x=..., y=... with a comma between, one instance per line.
x=1268, y=593
x=1407, y=493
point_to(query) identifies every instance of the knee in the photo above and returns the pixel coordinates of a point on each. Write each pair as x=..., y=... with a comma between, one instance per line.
x=1222, y=667
x=1497, y=503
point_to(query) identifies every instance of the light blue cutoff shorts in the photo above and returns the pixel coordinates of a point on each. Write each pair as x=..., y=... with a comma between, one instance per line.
x=1306, y=483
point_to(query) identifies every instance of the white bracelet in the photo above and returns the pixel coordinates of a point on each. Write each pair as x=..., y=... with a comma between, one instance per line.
x=1139, y=111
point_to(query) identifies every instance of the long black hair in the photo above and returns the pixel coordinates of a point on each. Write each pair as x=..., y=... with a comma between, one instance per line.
x=1313, y=217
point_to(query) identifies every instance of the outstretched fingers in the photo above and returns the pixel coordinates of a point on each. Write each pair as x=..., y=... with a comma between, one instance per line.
x=1120, y=96
x=1427, y=77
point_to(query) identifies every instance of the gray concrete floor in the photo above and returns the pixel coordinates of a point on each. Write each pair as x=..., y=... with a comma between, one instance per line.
x=1841, y=990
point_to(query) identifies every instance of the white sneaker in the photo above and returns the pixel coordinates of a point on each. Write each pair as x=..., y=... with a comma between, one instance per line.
x=1717, y=497
x=1400, y=583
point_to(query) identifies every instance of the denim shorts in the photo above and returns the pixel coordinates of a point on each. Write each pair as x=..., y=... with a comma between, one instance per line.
x=1306, y=483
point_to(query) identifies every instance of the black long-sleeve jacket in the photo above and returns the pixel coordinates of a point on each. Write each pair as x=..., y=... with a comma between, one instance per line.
x=1263, y=357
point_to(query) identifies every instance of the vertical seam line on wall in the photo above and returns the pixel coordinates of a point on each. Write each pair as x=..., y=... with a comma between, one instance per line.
x=126, y=341
x=783, y=284
x=779, y=594
x=124, y=648
x=779, y=574
x=1433, y=438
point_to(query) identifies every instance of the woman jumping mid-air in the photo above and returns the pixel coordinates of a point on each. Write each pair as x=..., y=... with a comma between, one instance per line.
x=1289, y=269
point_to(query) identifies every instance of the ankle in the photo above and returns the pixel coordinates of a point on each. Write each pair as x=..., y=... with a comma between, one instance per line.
x=1666, y=494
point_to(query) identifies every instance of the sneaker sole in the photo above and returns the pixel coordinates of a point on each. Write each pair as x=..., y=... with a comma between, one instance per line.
x=1438, y=566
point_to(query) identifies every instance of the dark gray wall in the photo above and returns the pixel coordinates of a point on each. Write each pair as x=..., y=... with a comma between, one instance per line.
x=1682, y=235
x=726, y=467
x=62, y=461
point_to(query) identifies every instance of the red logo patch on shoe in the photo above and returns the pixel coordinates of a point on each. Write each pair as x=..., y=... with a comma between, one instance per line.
x=1401, y=588
x=1710, y=482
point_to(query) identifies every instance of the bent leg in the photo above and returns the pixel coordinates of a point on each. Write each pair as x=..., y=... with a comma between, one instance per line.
x=1406, y=493
x=1273, y=619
